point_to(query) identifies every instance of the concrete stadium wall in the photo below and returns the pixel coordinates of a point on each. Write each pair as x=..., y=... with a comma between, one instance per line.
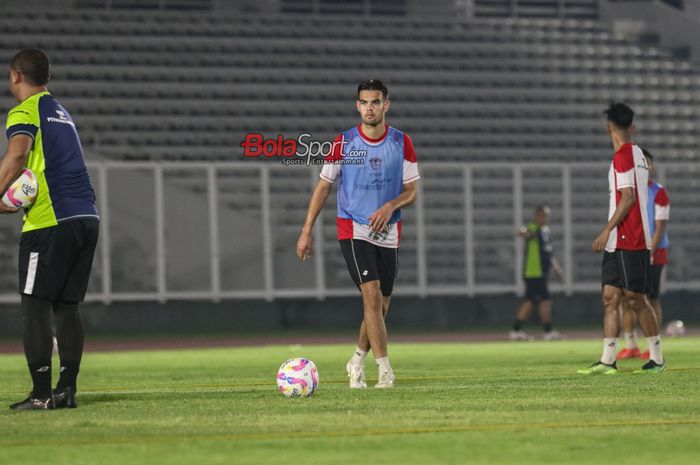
x=676, y=29
x=447, y=313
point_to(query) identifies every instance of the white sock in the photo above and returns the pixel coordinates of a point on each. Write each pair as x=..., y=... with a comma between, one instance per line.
x=631, y=340
x=358, y=357
x=383, y=364
x=654, y=344
x=609, y=350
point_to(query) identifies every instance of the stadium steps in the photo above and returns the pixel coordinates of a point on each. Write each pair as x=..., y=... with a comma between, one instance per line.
x=173, y=86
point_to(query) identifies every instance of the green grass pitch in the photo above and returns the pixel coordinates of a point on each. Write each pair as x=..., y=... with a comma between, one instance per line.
x=486, y=403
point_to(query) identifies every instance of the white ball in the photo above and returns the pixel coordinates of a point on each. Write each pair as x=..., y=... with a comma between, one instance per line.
x=297, y=377
x=22, y=192
x=675, y=328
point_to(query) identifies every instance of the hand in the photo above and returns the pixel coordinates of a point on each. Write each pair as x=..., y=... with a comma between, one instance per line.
x=558, y=273
x=5, y=210
x=601, y=241
x=651, y=255
x=304, y=246
x=524, y=232
x=380, y=219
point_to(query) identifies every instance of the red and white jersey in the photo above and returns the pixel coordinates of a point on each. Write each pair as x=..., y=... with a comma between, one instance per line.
x=629, y=169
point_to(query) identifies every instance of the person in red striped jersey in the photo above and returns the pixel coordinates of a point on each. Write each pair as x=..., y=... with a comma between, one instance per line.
x=625, y=242
x=659, y=209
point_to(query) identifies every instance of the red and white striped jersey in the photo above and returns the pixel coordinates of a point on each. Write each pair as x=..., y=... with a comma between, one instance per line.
x=629, y=169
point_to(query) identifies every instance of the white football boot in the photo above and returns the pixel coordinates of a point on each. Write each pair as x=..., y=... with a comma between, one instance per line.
x=553, y=336
x=356, y=373
x=520, y=336
x=386, y=380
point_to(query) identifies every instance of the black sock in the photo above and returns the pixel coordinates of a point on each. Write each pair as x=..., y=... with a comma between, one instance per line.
x=69, y=375
x=71, y=337
x=518, y=325
x=38, y=342
x=547, y=327
x=41, y=378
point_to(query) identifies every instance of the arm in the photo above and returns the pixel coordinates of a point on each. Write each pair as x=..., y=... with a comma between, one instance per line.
x=662, y=213
x=623, y=208
x=660, y=228
x=318, y=200
x=15, y=158
x=556, y=268
x=379, y=219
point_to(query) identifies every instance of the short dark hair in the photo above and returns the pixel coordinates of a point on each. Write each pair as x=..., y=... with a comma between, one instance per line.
x=620, y=114
x=33, y=64
x=648, y=154
x=373, y=84
x=542, y=208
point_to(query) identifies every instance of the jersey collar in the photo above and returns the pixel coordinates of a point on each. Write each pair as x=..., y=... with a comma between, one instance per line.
x=369, y=139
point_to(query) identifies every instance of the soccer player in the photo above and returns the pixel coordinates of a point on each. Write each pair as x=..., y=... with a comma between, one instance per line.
x=625, y=241
x=538, y=260
x=659, y=210
x=376, y=167
x=59, y=233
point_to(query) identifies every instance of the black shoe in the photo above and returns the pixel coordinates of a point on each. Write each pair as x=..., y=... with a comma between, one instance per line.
x=652, y=367
x=34, y=403
x=64, y=397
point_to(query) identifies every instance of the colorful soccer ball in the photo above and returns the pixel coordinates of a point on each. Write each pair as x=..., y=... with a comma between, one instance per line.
x=675, y=328
x=22, y=192
x=297, y=377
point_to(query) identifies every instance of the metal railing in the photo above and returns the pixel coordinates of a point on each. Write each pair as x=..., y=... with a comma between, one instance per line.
x=228, y=230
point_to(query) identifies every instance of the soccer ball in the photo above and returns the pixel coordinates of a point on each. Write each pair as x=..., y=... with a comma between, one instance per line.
x=675, y=328
x=22, y=192
x=297, y=377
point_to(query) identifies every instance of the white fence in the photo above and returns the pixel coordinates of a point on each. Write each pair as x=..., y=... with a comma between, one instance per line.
x=212, y=231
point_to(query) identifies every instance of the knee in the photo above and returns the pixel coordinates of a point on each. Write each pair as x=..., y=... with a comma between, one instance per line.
x=636, y=301
x=65, y=312
x=372, y=296
x=611, y=300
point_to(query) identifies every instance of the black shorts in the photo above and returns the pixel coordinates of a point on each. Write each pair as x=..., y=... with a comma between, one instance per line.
x=536, y=289
x=368, y=262
x=627, y=269
x=655, y=283
x=55, y=262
